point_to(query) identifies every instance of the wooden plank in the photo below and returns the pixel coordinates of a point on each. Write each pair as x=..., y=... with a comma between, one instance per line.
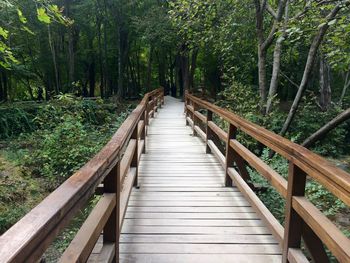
x=215, y=150
x=195, y=239
x=266, y=215
x=332, y=237
x=200, y=116
x=192, y=222
x=136, y=248
x=195, y=258
x=271, y=175
x=106, y=254
x=251, y=230
x=190, y=209
x=81, y=246
x=125, y=193
x=163, y=215
x=219, y=132
x=295, y=255
x=200, y=132
x=187, y=198
x=127, y=159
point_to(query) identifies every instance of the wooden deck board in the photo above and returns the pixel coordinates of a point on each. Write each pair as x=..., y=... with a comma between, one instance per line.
x=182, y=212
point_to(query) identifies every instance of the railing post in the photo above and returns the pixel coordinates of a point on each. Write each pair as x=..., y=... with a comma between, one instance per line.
x=111, y=231
x=143, y=133
x=232, y=131
x=293, y=222
x=152, y=106
x=209, y=132
x=195, y=119
x=135, y=157
x=186, y=110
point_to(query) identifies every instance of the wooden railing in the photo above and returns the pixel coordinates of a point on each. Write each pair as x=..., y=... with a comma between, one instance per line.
x=302, y=219
x=116, y=167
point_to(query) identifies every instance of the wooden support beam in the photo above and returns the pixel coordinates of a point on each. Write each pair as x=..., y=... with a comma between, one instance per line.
x=293, y=221
x=111, y=232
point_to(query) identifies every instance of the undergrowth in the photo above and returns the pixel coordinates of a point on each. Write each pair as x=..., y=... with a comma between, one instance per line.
x=54, y=141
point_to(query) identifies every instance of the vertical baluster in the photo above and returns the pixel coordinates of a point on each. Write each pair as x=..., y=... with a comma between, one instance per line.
x=152, y=107
x=135, y=157
x=209, y=132
x=143, y=133
x=187, y=101
x=293, y=222
x=111, y=231
x=195, y=119
x=232, y=131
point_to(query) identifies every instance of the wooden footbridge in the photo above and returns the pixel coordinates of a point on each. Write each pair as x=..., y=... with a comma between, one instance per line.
x=171, y=192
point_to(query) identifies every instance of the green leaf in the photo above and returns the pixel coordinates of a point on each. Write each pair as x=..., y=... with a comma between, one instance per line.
x=43, y=16
x=332, y=22
x=21, y=16
x=28, y=30
x=4, y=33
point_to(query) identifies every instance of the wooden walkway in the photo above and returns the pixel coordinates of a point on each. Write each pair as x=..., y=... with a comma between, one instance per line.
x=182, y=212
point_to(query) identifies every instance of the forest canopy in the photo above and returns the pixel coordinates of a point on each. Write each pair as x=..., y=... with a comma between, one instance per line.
x=270, y=61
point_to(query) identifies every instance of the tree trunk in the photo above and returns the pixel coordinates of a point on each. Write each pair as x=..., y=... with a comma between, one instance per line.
x=149, y=69
x=161, y=69
x=5, y=85
x=100, y=57
x=53, y=53
x=308, y=67
x=345, y=87
x=342, y=117
x=193, y=68
x=277, y=62
x=107, y=86
x=71, y=36
x=92, y=78
x=325, y=85
x=122, y=56
x=184, y=66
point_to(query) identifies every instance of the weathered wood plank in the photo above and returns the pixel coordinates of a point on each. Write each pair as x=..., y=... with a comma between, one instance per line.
x=195, y=258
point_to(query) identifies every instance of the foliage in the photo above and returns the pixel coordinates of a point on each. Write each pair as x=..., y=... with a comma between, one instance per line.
x=64, y=137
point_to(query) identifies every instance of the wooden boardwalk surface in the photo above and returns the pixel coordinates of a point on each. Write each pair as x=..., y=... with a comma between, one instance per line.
x=182, y=212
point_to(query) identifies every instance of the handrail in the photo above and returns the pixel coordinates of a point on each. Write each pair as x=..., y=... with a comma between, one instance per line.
x=303, y=219
x=28, y=239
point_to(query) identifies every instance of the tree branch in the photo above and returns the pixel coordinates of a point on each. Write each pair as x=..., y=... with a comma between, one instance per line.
x=271, y=11
x=323, y=131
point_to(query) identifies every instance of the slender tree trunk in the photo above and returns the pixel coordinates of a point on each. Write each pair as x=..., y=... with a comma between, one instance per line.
x=5, y=86
x=308, y=67
x=322, y=132
x=92, y=78
x=123, y=42
x=193, y=68
x=161, y=69
x=345, y=87
x=107, y=86
x=138, y=72
x=325, y=86
x=53, y=53
x=100, y=58
x=172, y=84
x=71, y=36
x=277, y=53
x=149, y=69
x=184, y=66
